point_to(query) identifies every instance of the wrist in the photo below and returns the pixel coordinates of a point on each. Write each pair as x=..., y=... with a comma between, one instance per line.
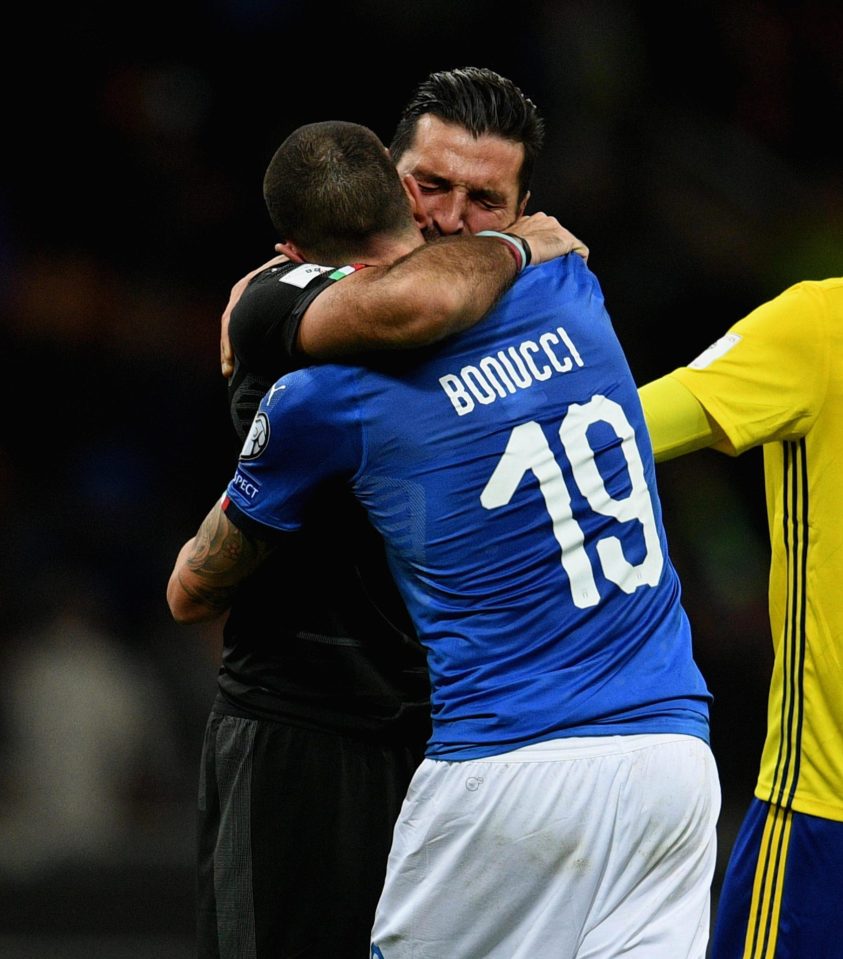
x=517, y=246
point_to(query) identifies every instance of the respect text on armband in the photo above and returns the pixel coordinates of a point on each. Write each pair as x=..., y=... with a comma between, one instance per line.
x=245, y=485
x=511, y=369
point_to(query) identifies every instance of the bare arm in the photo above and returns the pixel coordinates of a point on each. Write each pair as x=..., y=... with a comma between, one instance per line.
x=436, y=290
x=210, y=567
x=439, y=289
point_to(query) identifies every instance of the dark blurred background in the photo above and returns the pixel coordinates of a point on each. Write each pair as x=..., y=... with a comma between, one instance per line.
x=693, y=147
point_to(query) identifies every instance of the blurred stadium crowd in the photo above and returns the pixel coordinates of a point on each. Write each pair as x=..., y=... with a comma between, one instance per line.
x=702, y=172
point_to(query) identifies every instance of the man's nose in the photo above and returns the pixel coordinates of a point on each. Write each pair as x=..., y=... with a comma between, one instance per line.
x=450, y=215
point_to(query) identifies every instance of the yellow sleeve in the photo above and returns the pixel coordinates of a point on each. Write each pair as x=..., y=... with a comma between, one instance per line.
x=766, y=379
x=676, y=420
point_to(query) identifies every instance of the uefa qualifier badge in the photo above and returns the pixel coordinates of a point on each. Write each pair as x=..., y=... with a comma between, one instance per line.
x=257, y=439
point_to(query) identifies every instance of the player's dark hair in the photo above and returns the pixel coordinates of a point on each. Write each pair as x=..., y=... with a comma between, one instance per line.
x=330, y=187
x=483, y=102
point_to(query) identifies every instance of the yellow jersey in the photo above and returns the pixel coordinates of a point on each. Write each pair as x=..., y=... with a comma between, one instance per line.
x=776, y=378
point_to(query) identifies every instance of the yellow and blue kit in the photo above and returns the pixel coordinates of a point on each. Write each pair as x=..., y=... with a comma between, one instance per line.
x=776, y=380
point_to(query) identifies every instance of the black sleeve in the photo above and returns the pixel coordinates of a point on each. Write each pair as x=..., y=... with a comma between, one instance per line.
x=264, y=324
x=263, y=330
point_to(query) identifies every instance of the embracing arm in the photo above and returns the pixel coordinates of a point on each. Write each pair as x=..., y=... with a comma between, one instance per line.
x=436, y=290
x=210, y=567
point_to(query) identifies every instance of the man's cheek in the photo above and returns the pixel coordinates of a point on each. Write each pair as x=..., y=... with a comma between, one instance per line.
x=478, y=220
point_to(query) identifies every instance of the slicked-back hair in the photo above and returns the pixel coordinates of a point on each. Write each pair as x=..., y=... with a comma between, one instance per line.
x=331, y=187
x=481, y=101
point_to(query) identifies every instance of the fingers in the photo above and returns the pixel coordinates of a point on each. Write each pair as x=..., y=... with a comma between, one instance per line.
x=226, y=364
x=226, y=352
x=548, y=238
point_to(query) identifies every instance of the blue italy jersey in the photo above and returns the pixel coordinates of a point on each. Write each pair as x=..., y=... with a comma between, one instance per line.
x=510, y=473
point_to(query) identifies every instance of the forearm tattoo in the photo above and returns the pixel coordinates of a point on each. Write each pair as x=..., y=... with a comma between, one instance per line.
x=221, y=556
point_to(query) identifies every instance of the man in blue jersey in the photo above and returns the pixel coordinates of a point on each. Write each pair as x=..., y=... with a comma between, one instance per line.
x=320, y=681
x=568, y=801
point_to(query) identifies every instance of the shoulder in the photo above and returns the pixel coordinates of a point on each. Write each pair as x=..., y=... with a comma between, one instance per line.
x=265, y=320
x=819, y=296
x=798, y=315
x=314, y=412
x=570, y=273
x=831, y=288
x=321, y=394
x=565, y=283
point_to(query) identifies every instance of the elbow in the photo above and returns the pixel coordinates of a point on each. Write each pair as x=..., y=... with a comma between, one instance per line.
x=186, y=615
x=185, y=609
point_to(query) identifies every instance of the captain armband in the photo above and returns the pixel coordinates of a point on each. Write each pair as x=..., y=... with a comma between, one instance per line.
x=517, y=245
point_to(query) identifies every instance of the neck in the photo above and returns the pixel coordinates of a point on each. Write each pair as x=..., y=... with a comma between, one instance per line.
x=381, y=250
x=388, y=252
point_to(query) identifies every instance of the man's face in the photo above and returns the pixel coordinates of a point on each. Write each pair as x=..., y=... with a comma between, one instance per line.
x=466, y=184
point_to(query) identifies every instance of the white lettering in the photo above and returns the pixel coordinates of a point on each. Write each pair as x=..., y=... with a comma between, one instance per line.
x=546, y=339
x=496, y=375
x=456, y=393
x=569, y=343
x=475, y=381
x=245, y=486
x=513, y=368
x=527, y=347
x=521, y=377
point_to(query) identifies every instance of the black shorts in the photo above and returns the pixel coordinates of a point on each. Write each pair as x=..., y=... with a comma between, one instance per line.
x=294, y=830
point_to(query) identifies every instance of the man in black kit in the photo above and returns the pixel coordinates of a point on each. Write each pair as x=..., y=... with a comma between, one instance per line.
x=322, y=715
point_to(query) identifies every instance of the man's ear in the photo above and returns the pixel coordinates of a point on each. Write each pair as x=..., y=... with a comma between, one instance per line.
x=523, y=205
x=291, y=251
x=411, y=188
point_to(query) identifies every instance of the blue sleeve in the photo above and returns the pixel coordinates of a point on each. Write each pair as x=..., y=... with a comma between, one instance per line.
x=305, y=436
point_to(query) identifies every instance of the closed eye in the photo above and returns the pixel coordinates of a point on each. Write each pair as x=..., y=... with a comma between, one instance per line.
x=434, y=186
x=488, y=203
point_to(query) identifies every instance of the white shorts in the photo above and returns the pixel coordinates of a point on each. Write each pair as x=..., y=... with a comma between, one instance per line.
x=591, y=848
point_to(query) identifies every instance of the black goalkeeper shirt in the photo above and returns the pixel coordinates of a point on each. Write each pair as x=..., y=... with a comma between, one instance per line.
x=319, y=635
